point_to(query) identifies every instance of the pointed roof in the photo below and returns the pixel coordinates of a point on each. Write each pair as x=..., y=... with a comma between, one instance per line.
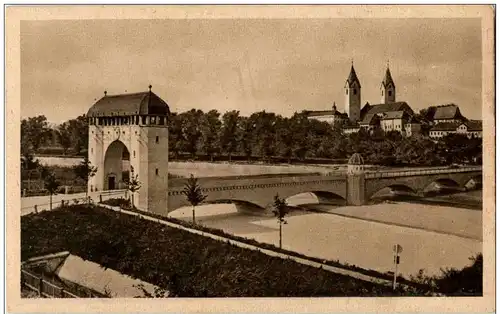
x=353, y=78
x=388, y=81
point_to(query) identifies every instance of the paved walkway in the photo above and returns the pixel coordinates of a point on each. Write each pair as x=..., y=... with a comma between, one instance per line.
x=43, y=202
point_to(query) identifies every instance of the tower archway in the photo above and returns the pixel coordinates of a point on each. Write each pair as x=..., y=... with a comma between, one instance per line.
x=116, y=166
x=130, y=131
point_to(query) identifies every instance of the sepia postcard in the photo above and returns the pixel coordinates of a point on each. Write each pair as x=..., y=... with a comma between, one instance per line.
x=250, y=158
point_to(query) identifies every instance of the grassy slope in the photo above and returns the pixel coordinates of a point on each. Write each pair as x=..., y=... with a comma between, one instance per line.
x=192, y=265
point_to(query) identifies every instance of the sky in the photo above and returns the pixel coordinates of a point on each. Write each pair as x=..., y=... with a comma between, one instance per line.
x=277, y=65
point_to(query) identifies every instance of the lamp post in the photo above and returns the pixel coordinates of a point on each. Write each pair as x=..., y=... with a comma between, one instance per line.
x=397, y=250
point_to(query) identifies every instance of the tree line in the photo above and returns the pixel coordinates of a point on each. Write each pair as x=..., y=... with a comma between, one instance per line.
x=266, y=136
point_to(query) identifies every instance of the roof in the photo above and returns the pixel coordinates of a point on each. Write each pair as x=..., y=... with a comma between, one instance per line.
x=390, y=115
x=474, y=125
x=353, y=78
x=143, y=103
x=450, y=111
x=445, y=126
x=325, y=113
x=356, y=159
x=395, y=106
x=387, y=81
x=365, y=109
x=370, y=119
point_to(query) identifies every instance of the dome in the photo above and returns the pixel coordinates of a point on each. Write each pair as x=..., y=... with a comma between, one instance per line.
x=356, y=159
x=146, y=103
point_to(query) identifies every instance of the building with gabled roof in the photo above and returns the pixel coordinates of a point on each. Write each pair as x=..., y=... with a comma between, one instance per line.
x=471, y=129
x=447, y=113
x=390, y=115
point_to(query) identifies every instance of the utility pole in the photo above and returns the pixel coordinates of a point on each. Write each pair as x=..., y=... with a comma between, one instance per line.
x=397, y=250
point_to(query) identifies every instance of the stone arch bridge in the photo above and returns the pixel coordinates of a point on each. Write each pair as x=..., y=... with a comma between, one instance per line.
x=259, y=191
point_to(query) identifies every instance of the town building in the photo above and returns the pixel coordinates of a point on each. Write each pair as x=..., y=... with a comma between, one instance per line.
x=389, y=115
x=333, y=116
x=449, y=113
x=471, y=128
x=392, y=115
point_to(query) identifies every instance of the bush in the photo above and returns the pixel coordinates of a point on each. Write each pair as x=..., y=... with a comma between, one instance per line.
x=187, y=264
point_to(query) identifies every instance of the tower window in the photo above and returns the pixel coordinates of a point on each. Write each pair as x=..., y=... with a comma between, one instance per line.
x=157, y=139
x=134, y=153
x=390, y=93
x=355, y=91
x=346, y=92
x=156, y=171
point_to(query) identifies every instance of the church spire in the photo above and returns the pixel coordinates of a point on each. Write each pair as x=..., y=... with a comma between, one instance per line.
x=353, y=78
x=387, y=81
x=388, y=88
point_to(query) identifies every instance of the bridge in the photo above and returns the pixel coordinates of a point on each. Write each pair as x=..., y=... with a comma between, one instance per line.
x=134, y=127
x=257, y=192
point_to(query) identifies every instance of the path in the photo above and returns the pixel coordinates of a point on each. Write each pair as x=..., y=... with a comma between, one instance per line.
x=43, y=202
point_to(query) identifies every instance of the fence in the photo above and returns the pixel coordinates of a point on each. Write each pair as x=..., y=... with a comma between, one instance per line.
x=37, y=188
x=43, y=287
x=407, y=173
x=31, y=205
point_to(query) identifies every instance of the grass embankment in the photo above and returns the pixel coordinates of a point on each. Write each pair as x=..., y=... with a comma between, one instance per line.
x=187, y=264
x=335, y=263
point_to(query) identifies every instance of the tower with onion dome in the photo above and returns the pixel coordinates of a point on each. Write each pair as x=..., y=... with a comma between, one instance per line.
x=128, y=136
x=355, y=180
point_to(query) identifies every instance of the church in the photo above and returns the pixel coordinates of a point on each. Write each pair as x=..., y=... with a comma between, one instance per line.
x=388, y=115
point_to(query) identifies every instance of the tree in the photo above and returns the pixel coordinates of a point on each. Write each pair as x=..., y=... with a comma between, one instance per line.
x=210, y=130
x=228, y=136
x=133, y=185
x=85, y=171
x=65, y=136
x=33, y=132
x=193, y=193
x=284, y=138
x=191, y=132
x=264, y=137
x=175, y=136
x=280, y=211
x=246, y=126
x=51, y=184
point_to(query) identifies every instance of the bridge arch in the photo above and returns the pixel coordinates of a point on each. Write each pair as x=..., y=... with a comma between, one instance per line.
x=441, y=185
x=398, y=187
x=241, y=205
x=318, y=196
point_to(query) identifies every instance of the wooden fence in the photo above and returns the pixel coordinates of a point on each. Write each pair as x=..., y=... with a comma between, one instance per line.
x=44, y=288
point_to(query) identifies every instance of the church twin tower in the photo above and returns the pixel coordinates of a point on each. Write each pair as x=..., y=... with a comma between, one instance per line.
x=353, y=93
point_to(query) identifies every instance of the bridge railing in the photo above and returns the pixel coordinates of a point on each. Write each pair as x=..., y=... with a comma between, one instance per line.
x=407, y=173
